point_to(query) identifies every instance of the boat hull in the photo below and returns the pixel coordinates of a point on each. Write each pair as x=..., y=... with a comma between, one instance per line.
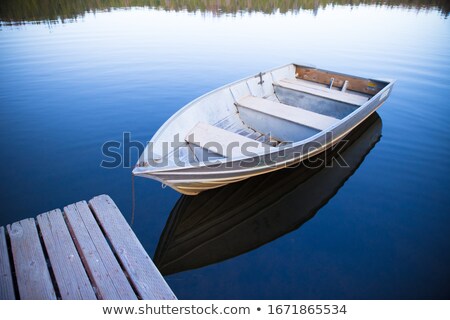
x=193, y=180
x=313, y=108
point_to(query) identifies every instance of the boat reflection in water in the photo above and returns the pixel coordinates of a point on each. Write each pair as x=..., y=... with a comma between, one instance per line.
x=223, y=223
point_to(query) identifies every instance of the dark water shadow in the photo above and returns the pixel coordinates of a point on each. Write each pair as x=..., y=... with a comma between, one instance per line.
x=223, y=223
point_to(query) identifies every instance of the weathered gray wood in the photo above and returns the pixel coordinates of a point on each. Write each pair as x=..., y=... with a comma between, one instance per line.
x=71, y=278
x=144, y=275
x=6, y=281
x=33, y=277
x=103, y=268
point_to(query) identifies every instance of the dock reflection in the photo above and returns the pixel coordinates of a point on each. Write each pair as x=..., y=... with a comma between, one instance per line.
x=223, y=223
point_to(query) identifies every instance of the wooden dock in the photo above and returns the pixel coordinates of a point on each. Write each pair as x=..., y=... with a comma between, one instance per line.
x=88, y=251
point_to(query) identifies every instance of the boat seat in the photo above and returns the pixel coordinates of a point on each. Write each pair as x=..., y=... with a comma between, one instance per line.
x=223, y=142
x=283, y=111
x=321, y=91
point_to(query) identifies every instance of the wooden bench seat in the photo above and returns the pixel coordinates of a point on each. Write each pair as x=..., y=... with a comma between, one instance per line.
x=223, y=142
x=297, y=115
x=322, y=91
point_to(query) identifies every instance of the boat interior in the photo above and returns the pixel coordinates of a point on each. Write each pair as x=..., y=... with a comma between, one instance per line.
x=285, y=105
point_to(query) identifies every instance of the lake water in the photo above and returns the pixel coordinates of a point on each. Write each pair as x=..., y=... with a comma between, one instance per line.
x=75, y=76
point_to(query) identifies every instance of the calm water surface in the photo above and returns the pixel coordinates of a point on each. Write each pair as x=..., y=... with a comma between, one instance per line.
x=381, y=230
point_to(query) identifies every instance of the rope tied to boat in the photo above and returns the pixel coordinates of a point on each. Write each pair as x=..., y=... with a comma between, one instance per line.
x=133, y=199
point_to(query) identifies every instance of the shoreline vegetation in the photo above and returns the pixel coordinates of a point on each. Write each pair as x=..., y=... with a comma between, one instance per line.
x=17, y=12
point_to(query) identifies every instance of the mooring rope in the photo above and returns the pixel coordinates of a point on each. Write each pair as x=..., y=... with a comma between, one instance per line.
x=133, y=199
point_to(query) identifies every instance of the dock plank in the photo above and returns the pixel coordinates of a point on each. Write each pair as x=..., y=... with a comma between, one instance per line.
x=146, y=278
x=71, y=278
x=6, y=280
x=33, y=277
x=102, y=267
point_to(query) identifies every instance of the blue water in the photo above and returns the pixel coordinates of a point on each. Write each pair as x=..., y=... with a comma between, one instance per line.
x=67, y=88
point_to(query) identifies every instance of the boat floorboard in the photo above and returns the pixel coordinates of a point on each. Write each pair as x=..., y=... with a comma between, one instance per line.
x=223, y=142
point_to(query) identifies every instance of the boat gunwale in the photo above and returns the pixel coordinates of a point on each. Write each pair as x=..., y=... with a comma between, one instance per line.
x=267, y=168
x=217, y=162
